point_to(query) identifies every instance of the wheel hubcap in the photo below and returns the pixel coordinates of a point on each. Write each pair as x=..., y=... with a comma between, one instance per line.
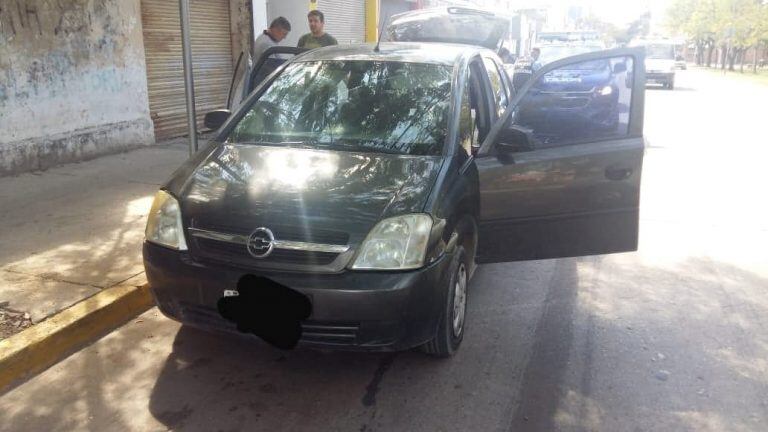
x=459, y=300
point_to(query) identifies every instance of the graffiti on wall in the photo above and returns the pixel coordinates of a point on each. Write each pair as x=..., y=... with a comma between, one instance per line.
x=21, y=15
x=20, y=18
x=45, y=43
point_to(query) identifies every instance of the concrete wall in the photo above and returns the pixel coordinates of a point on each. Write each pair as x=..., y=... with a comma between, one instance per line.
x=72, y=81
x=240, y=12
x=260, y=21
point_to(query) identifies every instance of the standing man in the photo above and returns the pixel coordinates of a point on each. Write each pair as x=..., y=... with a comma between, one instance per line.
x=535, y=54
x=276, y=32
x=317, y=37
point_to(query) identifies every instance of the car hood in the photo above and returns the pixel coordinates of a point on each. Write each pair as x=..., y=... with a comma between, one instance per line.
x=243, y=187
x=449, y=25
x=659, y=64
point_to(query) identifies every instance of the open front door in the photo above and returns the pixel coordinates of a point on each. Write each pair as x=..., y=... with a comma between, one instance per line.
x=246, y=77
x=560, y=175
x=250, y=73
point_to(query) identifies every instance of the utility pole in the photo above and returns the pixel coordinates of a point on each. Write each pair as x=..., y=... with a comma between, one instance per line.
x=189, y=83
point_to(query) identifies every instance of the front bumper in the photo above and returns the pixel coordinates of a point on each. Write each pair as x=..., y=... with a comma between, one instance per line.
x=353, y=310
x=659, y=77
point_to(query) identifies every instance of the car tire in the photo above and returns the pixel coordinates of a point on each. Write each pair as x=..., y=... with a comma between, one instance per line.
x=670, y=85
x=450, y=331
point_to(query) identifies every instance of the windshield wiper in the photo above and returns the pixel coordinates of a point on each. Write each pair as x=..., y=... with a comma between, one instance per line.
x=361, y=148
x=298, y=144
x=314, y=144
x=292, y=144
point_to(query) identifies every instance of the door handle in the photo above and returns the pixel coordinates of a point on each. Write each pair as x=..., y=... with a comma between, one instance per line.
x=614, y=173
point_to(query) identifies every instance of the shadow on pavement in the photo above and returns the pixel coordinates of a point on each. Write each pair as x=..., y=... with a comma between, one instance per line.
x=678, y=348
x=622, y=344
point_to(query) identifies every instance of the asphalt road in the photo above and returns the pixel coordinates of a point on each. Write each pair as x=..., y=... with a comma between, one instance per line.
x=670, y=338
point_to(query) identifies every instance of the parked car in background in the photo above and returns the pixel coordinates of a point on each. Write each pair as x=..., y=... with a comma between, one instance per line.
x=349, y=198
x=583, y=98
x=526, y=66
x=660, y=63
x=680, y=62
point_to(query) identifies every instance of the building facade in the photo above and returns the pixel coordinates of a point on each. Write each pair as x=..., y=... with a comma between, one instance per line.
x=84, y=78
x=73, y=81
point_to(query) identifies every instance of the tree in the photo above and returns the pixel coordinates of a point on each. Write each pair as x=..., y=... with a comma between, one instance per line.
x=697, y=20
x=732, y=25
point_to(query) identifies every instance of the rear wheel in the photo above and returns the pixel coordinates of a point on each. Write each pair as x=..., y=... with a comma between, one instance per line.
x=450, y=331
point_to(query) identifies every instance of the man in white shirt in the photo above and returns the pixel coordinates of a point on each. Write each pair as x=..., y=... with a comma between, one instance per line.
x=276, y=32
x=535, y=64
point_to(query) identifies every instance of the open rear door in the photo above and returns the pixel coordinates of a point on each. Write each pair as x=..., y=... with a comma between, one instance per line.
x=560, y=174
x=451, y=24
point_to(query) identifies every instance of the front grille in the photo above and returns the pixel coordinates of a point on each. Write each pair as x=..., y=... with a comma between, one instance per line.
x=225, y=251
x=282, y=232
x=572, y=102
x=313, y=332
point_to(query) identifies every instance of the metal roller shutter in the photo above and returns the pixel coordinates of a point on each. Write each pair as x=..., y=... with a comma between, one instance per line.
x=211, y=58
x=344, y=19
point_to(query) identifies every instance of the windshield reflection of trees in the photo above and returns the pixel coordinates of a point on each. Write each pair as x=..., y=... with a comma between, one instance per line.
x=354, y=105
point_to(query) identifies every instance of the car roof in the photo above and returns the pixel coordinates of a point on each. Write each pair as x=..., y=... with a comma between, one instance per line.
x=408, y=52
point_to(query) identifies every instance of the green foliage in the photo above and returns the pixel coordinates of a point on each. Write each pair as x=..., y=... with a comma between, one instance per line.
x=742, y=23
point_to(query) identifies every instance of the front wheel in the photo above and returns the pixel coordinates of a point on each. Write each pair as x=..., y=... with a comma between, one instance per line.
x=450, y=331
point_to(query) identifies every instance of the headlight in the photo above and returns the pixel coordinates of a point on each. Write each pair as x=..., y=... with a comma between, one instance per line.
x=397, y=243
x=164, y=222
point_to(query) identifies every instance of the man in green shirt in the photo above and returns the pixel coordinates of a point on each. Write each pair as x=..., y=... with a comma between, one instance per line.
x=317, y=37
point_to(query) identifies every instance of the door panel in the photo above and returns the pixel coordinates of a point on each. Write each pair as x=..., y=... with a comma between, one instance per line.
x=560, y=202
x=570, y=186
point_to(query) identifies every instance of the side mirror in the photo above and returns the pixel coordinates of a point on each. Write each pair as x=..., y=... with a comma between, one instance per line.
x=619, y=68
x=513, y=140
x=214, y=119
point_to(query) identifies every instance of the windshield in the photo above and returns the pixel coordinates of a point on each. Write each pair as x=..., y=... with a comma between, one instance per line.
x=387, y=107
x=660, y=52
x=553, y=53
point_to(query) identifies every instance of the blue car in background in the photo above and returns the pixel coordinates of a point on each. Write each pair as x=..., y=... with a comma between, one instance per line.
x=585, y=98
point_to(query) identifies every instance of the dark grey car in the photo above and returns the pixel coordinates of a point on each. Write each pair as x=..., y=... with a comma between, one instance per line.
x=348, y=201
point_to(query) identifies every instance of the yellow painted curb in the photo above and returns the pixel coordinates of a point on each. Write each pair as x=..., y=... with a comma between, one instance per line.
x=39, y=347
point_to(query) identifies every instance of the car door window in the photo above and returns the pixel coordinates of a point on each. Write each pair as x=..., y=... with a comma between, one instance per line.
x=497, y=85
x=479, y=101
x=475, y=121
x=578, y=102
x=467, y=124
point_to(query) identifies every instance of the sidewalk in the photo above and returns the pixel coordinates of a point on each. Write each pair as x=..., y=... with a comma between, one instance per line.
x=72, y=231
